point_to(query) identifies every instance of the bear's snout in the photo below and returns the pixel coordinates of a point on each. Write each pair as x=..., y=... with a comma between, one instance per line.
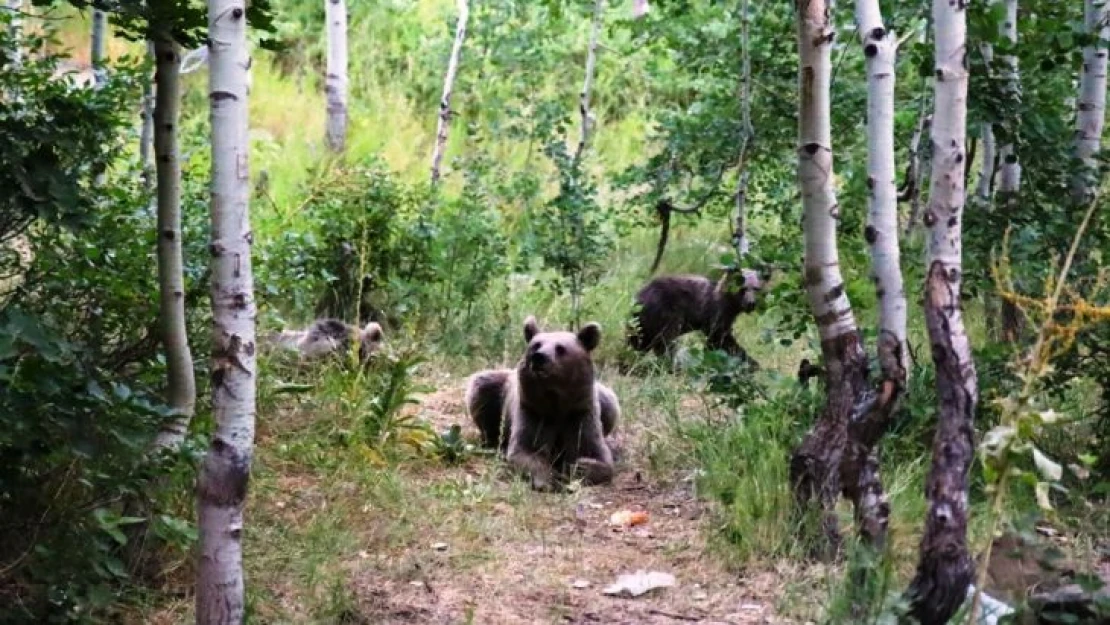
x=538, y=360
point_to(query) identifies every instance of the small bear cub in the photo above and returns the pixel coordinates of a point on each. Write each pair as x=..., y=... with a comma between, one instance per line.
x=669, y=306
x=331, y=336
x=549, y=415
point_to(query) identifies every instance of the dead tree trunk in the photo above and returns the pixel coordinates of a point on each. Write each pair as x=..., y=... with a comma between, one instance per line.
x=222, y=484
x=336, y=81
x=588, y=81
x=872, y=414
x=146, y=135
x=99, y=32
x=945, y=567
x=815, y=465
x=181, y=389
x=444, y=124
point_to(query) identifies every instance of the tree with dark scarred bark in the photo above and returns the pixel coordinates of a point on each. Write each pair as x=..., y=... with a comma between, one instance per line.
x=815, y=465
x=945, y=568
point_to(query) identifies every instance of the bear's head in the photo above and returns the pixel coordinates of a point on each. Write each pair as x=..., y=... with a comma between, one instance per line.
x=742, y=286
x=559, y=358
x=370, y=339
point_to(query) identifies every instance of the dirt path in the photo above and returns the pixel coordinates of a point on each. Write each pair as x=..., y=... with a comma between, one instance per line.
x=511, y=556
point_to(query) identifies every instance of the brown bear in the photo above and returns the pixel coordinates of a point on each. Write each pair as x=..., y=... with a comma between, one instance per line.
x=670, y=306
x=329, y=336
x=548, y=415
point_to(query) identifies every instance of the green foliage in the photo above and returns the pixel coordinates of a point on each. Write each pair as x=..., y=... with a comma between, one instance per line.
x=58, y=137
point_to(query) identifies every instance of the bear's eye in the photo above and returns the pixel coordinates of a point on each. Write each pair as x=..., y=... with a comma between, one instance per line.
x=560, y=350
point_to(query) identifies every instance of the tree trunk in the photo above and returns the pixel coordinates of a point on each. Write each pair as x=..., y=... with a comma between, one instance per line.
x=336, y=83
x=1009, y=168
x=1091, y=105
x=870, y=419
x=222, y=484
x=987, y=166
x=444, y=124
x=740, y=226
x=945, y=568
x=15, y=26
x=640, y=8
x=815, y=465
x=146, y=135
x=99, y=32
x=181, y=390
x=588, y=81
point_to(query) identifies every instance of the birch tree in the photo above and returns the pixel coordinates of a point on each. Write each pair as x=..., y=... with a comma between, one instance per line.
x=222, y=484
x=945, y=568
x=1009, y=167
x=588, y=81
x=181, y=385
x=874, y=409
x=16, y=27
x=96, y=56
x=146, y=134
x=815, y=465
x=444, y=123
x=1091, y=105
x=336, y=82
x=740, y=226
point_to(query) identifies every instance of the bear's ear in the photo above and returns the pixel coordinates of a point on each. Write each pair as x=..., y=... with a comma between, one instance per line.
x=372, y=332
x=531, y=329
x=589, y=336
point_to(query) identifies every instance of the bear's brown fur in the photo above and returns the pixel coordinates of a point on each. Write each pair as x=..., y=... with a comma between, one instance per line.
x=549, y=415
x=670, y=306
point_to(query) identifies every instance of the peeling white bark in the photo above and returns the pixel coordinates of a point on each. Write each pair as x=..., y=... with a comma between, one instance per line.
x=1091, y=107
x=336, y=83
x=588, y=81
x=181, y=390
x=1009, y=167
x=222, y=485
x=823, y=281
x=444, y=124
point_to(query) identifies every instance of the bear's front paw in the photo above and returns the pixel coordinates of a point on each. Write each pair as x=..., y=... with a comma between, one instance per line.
x=592, y=471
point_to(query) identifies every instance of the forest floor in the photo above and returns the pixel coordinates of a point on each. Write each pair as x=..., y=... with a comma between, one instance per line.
x=361, y=540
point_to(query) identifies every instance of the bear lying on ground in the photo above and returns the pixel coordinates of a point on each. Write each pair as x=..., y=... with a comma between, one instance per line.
x=331, y=336
x=670, y=306
x=549, y=415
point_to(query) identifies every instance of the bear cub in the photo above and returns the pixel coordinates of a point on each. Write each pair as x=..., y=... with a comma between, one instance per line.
x=330, y=336
x=549, y=415
x=670, y=306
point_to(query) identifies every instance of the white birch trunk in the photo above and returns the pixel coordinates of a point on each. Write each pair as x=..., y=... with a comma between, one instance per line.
x=945, y=567
x=16, y=28
x=824, y=282
x=588, y=81
x=336, y=83
x=222, y=485
x=861, y=467
x=1091, y=107
x=987, y=164
x=640, y=8
x=444, y=123
x=181, y=388
x=815, y=464
x=740, y=227
x=1009, y=167
x=146, y=134
x=96, y=56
